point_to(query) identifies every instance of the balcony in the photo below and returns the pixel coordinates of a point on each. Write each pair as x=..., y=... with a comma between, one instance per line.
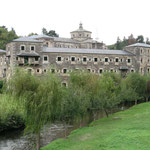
x=33, y=62
x=27, y=61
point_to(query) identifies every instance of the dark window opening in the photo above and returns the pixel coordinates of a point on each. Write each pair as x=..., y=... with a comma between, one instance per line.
x=95, y=59
x=44, y=70
x=106, y=59
x=117, y=60
x=84, y=59
x=64, y=84
x=52, y=70
x=37, y=70
x=64, y=70
x=89, y=70
x=16, y=58
x=22, y=47
x=100, y=71
x=72, y=58
x=59, y=58
x=26, y=60
x=129, y=60
x=32, y=48
x=36, y=58
x=45, y=58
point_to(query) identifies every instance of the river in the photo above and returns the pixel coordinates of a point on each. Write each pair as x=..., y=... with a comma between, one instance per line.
x=16, y=140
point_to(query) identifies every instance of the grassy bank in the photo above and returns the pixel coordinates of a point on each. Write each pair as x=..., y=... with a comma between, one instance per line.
x=11, y=113
x=126, y=130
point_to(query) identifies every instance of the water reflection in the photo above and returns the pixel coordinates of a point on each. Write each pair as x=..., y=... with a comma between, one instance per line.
x=17, y=141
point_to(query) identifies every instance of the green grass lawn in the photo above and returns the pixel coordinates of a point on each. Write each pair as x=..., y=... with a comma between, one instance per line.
x=125, y=130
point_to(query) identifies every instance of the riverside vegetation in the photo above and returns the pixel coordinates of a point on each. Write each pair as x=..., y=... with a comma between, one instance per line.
x=35, y=101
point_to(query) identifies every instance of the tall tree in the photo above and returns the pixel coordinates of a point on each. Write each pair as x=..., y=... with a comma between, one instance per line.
x=50, y=33
x=6, y=36
x=41, y=99
x=140, y=39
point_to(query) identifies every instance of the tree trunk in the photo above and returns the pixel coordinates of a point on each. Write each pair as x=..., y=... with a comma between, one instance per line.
x=80, y=123
x=146, y=99
x=106, y=112
x=135, y=102
x=65, y=130
x=38, y=141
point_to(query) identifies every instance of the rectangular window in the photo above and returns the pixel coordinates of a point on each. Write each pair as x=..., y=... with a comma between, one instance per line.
x=100, y=71
x=59, y=58
x=72, y=58
x=36, y=58
x=64, y=70
x=95, y=59
x=32, y=48
x=45, y=58
x=84, y=59
x=129, y=60
x=106, y=59
x=22, y=47
x=116, y=60
x=37, y=70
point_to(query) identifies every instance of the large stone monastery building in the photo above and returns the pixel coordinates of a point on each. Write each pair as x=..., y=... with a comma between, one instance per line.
x=40, y=53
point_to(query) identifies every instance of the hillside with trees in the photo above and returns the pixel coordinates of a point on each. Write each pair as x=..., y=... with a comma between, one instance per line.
x=120, y=44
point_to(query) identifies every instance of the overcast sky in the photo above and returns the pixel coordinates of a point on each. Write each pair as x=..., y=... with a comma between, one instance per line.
x=107, y=19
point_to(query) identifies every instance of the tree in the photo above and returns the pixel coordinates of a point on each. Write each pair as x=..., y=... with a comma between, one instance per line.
x=30, y=34
x=109, y=91
x=76, y=100
x=140, y=39
x=41, y=96
x=133, y=87
x=147, y=41
x=6, y=36
x=44, y=31
x=50, y=33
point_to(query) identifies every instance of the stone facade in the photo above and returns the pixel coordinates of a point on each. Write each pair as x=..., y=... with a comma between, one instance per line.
x=2, y=64
x=142, y=52
x=33, y=54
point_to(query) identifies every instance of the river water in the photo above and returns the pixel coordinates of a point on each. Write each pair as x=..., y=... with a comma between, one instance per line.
x=16, y=140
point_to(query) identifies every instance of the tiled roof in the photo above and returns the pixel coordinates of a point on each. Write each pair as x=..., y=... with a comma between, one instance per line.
x=139, y=45
x=2, y=51
x=26, y=39
x=86, y=51
x=40, y=36
x=67, y=40
x=28, y=54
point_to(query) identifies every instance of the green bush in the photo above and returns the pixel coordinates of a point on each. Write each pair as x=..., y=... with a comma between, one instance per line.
x=11, y=113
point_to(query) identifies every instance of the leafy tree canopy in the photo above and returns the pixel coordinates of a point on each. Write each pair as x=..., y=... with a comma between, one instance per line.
x=6, y=36
x=120, y=44
x=50, y=33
